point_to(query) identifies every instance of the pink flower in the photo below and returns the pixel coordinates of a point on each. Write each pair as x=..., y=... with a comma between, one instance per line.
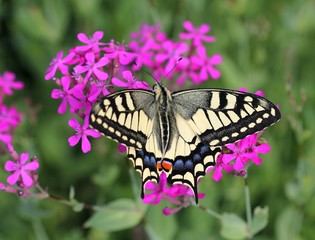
x=86, y=98
x=21, y=170
x=196, y=35
x=148, y=33
x=9, y=116
x=219, y=167
x=92, y=67
x=67, y=95
x=82, y=132
x=122, y=148
x=144, y=55
x=178, y=194
x=2, y=186
x=207, y=64
x=8, y=83
x=119, y=52
x=5, y=137
x=99, y=86
x=59, y=63
x=92, y=43
x=184, y=197
x=244, y=150
x=157, y=191
x=131, y=83
x=171, y=54
x=187, y=70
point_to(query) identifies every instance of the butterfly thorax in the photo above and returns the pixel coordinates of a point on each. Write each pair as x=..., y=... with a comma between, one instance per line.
x=163, y=98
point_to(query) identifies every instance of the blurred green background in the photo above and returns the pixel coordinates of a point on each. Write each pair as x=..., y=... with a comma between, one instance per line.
x=266, y=45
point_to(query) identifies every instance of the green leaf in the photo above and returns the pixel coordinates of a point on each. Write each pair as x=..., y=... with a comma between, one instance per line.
x=157, y=221
x=117, y=215
x=71, y=193
x=260, y=219
x=288, y=224
x=78, y=207
x=233, y=227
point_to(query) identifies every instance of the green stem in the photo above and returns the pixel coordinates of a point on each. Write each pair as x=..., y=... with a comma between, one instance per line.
x=210, y=212
x=248, y=204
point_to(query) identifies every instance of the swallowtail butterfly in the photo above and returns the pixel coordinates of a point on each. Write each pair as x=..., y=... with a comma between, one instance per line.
x=180, y=133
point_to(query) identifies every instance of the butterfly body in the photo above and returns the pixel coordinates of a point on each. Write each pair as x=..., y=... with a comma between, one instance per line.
x=179, y=133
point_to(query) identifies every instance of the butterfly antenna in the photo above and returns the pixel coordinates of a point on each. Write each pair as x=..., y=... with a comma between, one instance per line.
x=145, y=71
x=172, y=69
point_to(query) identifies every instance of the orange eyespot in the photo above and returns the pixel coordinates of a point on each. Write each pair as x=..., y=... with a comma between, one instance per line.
x=164, y=165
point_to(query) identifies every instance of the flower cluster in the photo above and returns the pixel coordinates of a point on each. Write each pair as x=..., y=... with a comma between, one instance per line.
x=178, y=194
x=22, y=177
x=91, y=70
x=88, y=72
x=160, y=54
x=9, y=116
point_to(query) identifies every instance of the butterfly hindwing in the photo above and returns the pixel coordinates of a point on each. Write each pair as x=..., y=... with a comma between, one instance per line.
x=125, y=116
x=221, y=116
x=145, y=164
x=188, y=169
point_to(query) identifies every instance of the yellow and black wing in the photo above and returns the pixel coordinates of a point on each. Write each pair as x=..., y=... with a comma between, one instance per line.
x=128, y=117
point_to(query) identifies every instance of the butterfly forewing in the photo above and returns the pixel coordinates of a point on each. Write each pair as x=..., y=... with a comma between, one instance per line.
x=125, y=116
x=221, y=116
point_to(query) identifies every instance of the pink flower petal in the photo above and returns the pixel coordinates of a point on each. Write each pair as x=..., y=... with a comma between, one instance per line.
x=227, y=158
x=117, y=82
x=57, y=93
x=263, y=148
x=239, y=164
x=188, y=26
x=100, y=74
x=85, y=145
x=217, y=175
x=257, y=160
x=83, y=38
x=204, y=28
x=24, y=157
x=26, y=179
x=90, y=57
x=92, y=133
x=122, y=148
x=32, y=166
x=74, y=123
x=98, y=35
x=13, y=178
x=65, y=82
x=10, y=166
x=2, y=186
x=73, y=140
x=63, y=106
x=216, y=59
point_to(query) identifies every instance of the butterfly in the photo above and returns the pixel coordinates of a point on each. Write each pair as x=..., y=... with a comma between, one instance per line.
x=179, y=133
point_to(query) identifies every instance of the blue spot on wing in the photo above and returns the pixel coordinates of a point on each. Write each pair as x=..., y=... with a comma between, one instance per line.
x=178, y=165
x=184, y=164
